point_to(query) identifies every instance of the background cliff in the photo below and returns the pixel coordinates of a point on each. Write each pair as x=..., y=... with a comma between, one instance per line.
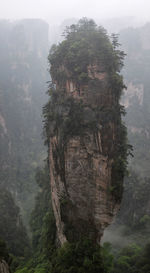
x=133, y=221
x=136, y=44
x=23, y=76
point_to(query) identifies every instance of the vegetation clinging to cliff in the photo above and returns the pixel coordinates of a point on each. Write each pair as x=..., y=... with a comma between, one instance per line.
x=85, y=44
x=91, y=62
x=12, y=229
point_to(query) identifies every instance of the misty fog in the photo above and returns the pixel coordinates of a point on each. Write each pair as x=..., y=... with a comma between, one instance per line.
x=54, y=12
x=74, y=136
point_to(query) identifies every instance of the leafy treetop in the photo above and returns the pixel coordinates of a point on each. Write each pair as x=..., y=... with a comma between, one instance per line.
x=85, y=44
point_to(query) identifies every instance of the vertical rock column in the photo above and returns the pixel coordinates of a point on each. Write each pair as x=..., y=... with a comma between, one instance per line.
x=87, y=141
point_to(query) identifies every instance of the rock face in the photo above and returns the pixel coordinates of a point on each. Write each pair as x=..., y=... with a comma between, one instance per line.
x=81, y=194
x=4, y=268
x=85, y=136
x=85, y=201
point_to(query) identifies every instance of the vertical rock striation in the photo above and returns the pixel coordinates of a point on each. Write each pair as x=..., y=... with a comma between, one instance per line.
x=86, y=138
x=4, y=268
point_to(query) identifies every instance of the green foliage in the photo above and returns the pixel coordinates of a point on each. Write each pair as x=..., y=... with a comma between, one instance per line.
x=36, y=266
x=119, y=167
x=43, y=228
x=85, y=44
x=42, y=219
x=133, y=259
x=108, y=258
x=66, y=117
x=134, y=213
x=3, y=251
x=11, y=226
x=80, y=257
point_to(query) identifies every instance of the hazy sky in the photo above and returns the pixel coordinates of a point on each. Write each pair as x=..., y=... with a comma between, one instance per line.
x=55, y=11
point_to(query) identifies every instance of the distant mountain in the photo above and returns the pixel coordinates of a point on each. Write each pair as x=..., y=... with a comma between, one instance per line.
x=136, y=43
x=23, y=75
x=133, y=221
x=115, y=25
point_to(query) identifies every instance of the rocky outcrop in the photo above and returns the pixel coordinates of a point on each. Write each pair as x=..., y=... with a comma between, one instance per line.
x=85, y=137
x=82, y=174
x=84, y=202
x=4, y=268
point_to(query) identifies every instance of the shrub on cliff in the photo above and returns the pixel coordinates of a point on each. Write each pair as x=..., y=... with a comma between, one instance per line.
x=83, y=256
